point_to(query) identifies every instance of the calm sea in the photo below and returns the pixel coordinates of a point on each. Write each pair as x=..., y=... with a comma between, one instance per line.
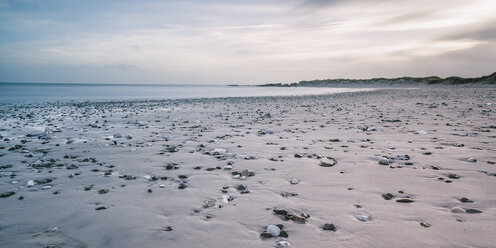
x=36, y=92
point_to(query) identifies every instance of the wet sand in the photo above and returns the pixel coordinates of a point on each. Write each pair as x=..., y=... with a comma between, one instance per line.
x=387, y=168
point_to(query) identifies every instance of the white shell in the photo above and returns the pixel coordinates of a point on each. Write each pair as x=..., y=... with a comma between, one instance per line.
x=295, y=181
x=283, y=244
x=30, y=183
x=225, y=198
x=162, y=185
x=363, y=218
x=274, y=230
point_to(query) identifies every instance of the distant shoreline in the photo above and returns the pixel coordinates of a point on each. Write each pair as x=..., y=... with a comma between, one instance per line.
x=490, y=79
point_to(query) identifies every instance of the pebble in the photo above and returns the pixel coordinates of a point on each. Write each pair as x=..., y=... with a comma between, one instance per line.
x=405, y=200
x=7, y=194
x=425, y=224
x=457, y=210
x=471, y=160
x=473, y=211
x=329, y=227
x=387, y=196
x=162, y=185
x=294, y=181
x=465, y=200
x=364, y=218
x=384, y=161
x=327, y=162
x=274, y=230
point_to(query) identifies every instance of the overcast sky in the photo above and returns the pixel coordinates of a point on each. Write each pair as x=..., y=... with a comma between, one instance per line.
x=245, y=42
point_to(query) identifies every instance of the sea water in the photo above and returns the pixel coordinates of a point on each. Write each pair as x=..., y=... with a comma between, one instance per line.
x=43, y=92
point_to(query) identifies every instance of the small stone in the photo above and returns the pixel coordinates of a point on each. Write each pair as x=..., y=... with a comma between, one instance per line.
x=405, y=200
x=241, y=187
x=297, y=155
x=329, y=227
x=100, y=208
x=471, y=160
x=266, y=235
x=473, y=211
x=7, y=194
x=294, y=181
x=453, y=176
x=363, y=218
x=299, y=219
x=465, y=200
x=103, y=191
x=150, y=190
x=328, y=162
x=167, y=229
x=162, y=185
x=274, y=230
x=425, y=224
x=384, y=161
x=387, y=196
x=280, y=211
x=182, y=186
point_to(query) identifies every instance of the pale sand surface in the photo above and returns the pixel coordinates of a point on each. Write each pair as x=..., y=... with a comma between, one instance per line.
x=400, y=121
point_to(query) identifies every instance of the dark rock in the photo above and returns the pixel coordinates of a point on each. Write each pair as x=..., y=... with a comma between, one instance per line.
x=167, y=229
x=329, y=227
x=425, y=224
x=465, y=200
x=387, y=196
x=7, y=194
x=182, y=186
x=280, y=211
x=453, y=176
x=100, y=208
x=473, y=211
x=103, y=191
x=404, y=200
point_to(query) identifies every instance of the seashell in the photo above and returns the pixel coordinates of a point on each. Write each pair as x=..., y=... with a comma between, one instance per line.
x=283, y=244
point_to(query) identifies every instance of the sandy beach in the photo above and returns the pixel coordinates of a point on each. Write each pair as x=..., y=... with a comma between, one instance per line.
x=407, y=167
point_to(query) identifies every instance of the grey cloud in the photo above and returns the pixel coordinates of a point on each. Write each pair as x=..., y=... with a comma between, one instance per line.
x=484, y=32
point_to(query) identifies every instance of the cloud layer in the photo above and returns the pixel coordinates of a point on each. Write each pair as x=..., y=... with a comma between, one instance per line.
x=219, y=42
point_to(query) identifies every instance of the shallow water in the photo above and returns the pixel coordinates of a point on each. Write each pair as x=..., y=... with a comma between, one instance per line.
x=34, y=92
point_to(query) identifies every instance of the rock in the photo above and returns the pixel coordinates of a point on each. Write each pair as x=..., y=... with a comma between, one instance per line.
x=103, y=191
x=46, y=187
x=299, y=219
x=287, y=194
x=209, y=203
x=241, y=187
x=465, y=200
x=425, y=224
x=473, y=211
x=167, y=229
x=150, y=190
x=283, y=244
x=274, y=230
x=404, y=200
x=162, y=185
x=7, y=194
x=327, y=162
x=384, y=161
x=117, y=136
x=387, y=196
x=294, y=181
x=329, y=227
x=453, y=176
x=471, y=160
x=182, y=186
x=297, y=155
x=364, y=218
x=457, y=210
x=283, y=234
x=100, y=208
x=265, y=235
x=280, y=211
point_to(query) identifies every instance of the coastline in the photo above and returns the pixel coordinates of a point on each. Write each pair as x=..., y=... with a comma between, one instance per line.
x=129, y=149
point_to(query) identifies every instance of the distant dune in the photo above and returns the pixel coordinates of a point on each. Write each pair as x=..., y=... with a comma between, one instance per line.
x=490, y=79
